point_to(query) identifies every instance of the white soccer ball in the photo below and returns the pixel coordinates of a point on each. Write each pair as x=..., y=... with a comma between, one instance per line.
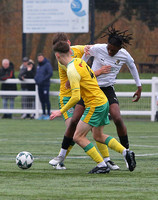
x=24, y=160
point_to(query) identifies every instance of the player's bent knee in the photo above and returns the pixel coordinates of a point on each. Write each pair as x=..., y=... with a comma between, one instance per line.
x=76, y=138
x=96, y=138
x=118, y=120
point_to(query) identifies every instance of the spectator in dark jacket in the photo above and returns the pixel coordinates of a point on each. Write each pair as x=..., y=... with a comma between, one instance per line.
x=27, y=71
x=7, y=72
x=44, y=72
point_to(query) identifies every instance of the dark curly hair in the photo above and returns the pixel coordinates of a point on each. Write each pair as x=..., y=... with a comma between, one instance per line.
x=118, y=38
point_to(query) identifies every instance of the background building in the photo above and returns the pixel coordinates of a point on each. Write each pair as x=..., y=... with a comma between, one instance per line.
x=139, y=18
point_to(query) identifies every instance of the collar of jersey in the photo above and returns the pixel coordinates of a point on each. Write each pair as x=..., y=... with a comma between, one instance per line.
x=72, y=52
x=70, y=62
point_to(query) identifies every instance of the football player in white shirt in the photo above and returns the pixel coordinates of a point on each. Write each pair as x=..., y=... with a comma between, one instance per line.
x=108, y=60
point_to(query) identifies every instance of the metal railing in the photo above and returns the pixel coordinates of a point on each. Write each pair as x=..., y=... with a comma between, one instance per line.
x=37, y=110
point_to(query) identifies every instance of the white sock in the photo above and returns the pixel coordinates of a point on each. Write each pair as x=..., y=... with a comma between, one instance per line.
x=124, y=152
x=106, y=159
x=102, y=164
x=62, y=152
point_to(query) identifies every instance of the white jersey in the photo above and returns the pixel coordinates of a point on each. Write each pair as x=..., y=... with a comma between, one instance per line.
x=102, y=58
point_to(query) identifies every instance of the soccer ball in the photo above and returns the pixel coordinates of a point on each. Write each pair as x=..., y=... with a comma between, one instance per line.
x=24, y=160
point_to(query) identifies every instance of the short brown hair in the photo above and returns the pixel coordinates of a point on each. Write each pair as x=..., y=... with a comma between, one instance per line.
x=61, y=47
x=60, y=37
x=40, y=54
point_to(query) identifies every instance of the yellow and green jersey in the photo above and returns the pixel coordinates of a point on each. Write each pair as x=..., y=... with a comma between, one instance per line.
x=77, y=52
x=83, y=84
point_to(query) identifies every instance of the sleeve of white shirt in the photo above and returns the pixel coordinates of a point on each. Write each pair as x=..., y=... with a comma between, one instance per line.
x=85, y=57
x=93, y=50
x=133, y=69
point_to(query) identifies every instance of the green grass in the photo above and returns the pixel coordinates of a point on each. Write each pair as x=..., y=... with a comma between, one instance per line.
x=42, y=182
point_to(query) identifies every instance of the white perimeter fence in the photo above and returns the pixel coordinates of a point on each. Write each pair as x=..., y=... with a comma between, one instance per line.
x=152, y=96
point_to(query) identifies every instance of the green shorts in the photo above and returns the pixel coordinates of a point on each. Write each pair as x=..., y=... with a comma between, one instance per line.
x=96, y=116
x=63, y=101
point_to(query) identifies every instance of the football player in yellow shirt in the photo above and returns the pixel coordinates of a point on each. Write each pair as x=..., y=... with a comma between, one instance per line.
x=84, y=84
x=65, y=92
x=64, y=96
x=71, y=122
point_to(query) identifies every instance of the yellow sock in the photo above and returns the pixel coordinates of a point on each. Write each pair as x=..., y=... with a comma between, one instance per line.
x=68, y=150
x=103, y=149
x=93, y=153
x=114, y=144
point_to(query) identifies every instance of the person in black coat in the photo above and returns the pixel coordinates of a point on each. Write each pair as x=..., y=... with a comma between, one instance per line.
x=27, y=72
x=7, y=72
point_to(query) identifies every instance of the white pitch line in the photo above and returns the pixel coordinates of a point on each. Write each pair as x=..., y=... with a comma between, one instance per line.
x=84, y=157
x=148, y=136
x=78, y=157
x=144, y=136
x=139, y=145
x=74, y=157
x=87, y=157
x=143, y=131
x=1, y=140
x=149, y=154
x=32, y=141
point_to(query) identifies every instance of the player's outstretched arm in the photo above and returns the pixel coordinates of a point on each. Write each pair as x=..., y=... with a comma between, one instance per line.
x=103, y=70
x=137, y=94
x=86, y=49
x=55, y=114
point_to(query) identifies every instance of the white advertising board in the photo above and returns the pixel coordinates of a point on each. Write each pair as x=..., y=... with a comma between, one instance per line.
x=51, y=16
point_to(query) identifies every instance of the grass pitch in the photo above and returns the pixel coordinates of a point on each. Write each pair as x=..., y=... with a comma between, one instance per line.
x=42, y=182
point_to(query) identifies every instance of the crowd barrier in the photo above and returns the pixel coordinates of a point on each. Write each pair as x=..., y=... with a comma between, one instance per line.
x=37, y=110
